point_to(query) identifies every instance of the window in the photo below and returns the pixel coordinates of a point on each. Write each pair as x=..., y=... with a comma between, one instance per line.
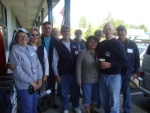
x=3, y=24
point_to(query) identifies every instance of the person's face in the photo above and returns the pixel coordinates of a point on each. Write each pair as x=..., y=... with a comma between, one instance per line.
x=35, y=36
x=92, y=44
x=121, y=33
x=108, y=31
x=55, y=33
x=22, y=39
x=98, y=36
x=47, y=30
x=78, y=34
x=65, y=33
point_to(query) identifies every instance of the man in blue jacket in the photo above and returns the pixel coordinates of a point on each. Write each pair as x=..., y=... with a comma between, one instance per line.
x=64, y=59
x=132, y=70
x=113, y=54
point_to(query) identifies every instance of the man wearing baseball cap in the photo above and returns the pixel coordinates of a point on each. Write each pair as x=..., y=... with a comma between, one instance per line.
x=133, y=68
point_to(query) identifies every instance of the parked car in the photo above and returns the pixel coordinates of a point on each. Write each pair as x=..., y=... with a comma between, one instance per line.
x=142, y=49
x=144, y=78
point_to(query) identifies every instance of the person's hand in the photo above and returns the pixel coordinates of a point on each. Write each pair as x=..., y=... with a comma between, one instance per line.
x=134, y=75
x=58, y=79
x=105, y=65
x=35, y=85
x=11, y=66
x=39, y=83
x=44, y=78
x=79, y=84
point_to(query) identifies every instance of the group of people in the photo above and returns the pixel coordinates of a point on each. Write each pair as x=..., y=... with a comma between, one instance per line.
x=100, y=69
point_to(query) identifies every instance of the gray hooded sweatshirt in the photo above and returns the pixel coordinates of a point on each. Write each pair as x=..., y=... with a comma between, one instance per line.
x=26, y=60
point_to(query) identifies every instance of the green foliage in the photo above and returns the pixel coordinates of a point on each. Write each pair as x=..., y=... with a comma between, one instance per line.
x=83, y=22
x=89, y=31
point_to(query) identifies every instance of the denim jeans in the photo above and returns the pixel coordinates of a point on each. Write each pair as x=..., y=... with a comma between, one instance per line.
x=125, y=89
x=110, y=86
x=69, y=82
x=90, y=93
x=27, y=102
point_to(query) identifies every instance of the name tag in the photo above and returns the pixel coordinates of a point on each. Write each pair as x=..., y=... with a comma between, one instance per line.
x=31, y=54
x=129, y=50
x=76, y=52
x=107, y=54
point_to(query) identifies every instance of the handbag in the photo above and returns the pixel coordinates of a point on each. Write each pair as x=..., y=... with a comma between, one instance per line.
x=31, y=89
x=45, y=100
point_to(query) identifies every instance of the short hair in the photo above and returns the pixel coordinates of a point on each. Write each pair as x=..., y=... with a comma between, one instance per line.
x=98, y=32
x=45, y=23
x=39, y=41
x=107, y=24
x=78, y=30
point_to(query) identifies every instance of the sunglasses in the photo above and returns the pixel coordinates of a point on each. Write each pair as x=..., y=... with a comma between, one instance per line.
x=66, y=31
x=34, y=35
x=98, y=35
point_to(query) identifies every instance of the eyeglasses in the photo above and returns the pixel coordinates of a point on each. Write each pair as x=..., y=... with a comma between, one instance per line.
x=98, y=35
x=22, y=36
x=79, y=33
x=34, y=35
x=66, y=31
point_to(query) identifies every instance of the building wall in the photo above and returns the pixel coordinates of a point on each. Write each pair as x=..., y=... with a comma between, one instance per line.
x=11, y=23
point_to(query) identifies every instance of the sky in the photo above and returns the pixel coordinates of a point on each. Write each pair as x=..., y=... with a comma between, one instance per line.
x=134, y=12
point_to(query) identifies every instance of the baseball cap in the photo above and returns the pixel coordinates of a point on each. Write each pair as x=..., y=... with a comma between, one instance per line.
x=121, y=27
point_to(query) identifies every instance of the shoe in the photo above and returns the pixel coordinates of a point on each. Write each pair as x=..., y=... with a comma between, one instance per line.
x=93, y=111
x=77, y=110
x=98, y=106
x=66, y=111
x=55, y=106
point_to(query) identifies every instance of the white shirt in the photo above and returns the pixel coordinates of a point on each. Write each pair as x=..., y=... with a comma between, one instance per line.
x=56, y=57
x=46, y=63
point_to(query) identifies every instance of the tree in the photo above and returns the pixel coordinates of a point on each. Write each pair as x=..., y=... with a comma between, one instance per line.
x=143, y=27
x=89, y=31
x=82, y=22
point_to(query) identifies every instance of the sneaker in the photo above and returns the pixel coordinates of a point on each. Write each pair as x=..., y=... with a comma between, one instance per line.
x=77, y=110
x=66, y=111
x=91, y=111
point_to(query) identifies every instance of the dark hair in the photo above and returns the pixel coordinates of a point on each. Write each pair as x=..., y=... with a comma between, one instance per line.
x=91, y=38
x=77, y=30
x=46, y=23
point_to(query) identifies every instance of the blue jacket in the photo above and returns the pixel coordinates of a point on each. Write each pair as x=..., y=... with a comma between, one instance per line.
x=133, y=58
x=114, y=52
x=67, y=60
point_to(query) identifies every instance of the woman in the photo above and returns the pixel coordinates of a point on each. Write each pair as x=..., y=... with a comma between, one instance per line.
x=35, y=42
x=28, y=71
x=87, y=74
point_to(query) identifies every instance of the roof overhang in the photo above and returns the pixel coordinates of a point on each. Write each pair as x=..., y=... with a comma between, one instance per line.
x=27, y=11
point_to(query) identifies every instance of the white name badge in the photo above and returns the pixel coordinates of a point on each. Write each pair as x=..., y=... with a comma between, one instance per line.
x=107, y=54
x=76, y=52
x=130, y=50
x=31, y=54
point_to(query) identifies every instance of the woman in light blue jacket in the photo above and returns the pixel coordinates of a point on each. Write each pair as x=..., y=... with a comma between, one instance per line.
x=28, y=71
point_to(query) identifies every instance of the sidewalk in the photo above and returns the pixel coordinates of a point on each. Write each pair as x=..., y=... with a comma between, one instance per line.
x=134, y=109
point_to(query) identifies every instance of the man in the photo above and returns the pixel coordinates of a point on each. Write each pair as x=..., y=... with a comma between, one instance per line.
x=78, y=39
x=114, y=57
x=49, y=42
x=64, y=63
x=132, y=70
x=98, y=34
x=55, y=33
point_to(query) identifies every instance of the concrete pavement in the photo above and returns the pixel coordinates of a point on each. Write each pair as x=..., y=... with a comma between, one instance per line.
x=134, y=108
